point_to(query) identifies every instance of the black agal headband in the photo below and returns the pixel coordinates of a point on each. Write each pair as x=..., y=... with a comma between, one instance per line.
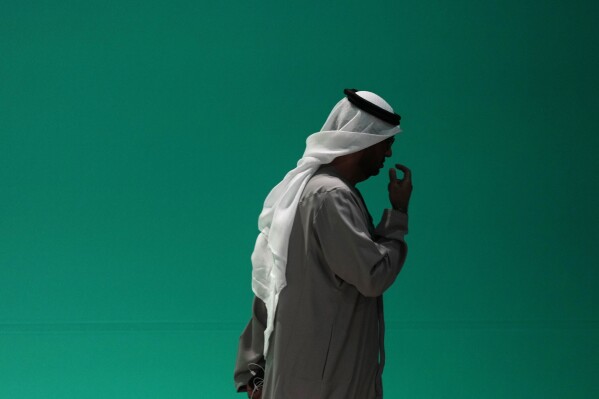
x=371, y=108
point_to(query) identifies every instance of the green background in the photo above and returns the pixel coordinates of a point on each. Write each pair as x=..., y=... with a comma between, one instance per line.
x=138, y=140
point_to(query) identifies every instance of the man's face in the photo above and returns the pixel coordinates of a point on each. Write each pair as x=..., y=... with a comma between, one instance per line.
x=373, y=157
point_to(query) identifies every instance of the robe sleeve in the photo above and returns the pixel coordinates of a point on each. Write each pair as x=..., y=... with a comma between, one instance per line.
x=251, y=347
x=370, y=264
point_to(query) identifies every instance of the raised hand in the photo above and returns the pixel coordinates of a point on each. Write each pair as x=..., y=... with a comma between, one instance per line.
x=400, y=190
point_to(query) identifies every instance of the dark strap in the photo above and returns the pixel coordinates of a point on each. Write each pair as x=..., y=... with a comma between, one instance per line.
x=371, y=108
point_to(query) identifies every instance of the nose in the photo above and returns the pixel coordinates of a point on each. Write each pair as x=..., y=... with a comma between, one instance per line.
x=388, y=153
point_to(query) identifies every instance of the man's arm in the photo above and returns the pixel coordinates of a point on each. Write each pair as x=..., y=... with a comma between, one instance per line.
x=371, y=265
x=250, y=356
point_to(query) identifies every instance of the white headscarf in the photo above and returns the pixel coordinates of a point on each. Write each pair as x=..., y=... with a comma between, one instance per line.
x=348, y=129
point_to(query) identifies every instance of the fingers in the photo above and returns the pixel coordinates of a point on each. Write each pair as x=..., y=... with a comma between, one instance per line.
x=392, y=175
x=407, y=173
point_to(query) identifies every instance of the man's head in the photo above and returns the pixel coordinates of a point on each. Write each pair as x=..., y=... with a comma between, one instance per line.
x=362, y=114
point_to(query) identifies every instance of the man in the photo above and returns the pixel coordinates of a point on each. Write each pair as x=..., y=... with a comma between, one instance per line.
x=320, y=267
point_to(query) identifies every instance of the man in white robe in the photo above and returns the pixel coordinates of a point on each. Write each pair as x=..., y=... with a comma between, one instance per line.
x=317, y=329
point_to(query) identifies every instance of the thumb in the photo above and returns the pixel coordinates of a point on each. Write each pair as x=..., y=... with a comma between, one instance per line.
x=392, y=175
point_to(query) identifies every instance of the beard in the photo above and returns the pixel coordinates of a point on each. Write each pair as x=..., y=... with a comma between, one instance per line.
x=371, y=163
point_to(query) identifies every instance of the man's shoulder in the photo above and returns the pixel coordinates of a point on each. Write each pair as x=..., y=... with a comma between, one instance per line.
x=323, y=182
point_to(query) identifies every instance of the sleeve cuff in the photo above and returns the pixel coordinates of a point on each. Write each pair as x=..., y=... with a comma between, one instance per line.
x=393, y=225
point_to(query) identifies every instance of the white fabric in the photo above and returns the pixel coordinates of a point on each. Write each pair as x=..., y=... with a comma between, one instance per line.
x=376, y=100
x=348, y=129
